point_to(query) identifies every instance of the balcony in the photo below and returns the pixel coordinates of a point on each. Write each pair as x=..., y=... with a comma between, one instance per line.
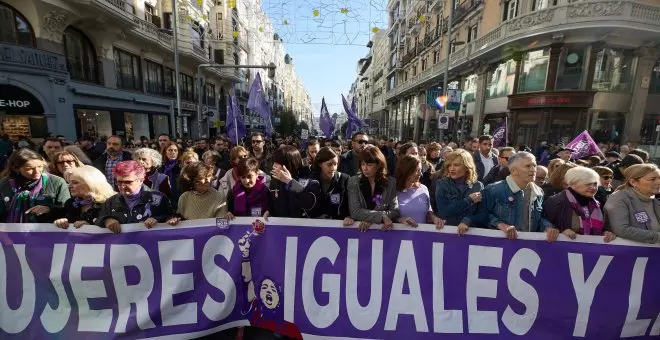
x=589, y=18
x=466, y=7
x=153, y=33
x=121, y=10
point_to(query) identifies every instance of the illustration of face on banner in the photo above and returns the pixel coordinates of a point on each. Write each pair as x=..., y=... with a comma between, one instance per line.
x=328, y=281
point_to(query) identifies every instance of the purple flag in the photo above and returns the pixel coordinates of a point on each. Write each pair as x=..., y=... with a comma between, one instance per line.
x=583, y=145
x=314, y=277
x=235, y=125
x=325, y=122
x=354, y=122
x=259, y=104
x=500, y=134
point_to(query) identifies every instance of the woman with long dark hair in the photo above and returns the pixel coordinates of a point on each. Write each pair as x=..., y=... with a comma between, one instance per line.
x=289, y=193
x=172, y=168
x=372, y=194
x=28, y=193
x=413, y=196
x=331, y=193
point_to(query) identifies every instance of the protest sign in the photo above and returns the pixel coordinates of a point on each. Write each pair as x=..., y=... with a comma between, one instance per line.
x=322, y=280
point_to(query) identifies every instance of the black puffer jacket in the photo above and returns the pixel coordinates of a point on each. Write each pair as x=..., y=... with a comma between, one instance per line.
x=332, y=204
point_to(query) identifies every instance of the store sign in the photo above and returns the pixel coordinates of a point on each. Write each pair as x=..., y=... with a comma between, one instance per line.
x=32, y=57
x=551, y=99
x=16, y=100
x=548, y=101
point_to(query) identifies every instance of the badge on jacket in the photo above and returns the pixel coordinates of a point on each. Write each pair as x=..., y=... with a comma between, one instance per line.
x=156, y=199
x=304, y=182
x=642, y=217
x=335, y=199
x=256, y=212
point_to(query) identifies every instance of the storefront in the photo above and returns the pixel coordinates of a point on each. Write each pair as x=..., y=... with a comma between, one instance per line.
x=21, y=114
x=548, y=116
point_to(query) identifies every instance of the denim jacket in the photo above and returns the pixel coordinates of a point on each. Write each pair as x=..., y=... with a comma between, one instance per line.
x=455, y=206
x=502, y=205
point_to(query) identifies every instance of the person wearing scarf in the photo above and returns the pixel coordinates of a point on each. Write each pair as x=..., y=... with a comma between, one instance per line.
x=227, y=182
x=27, y=193
x=575, y=210
x=172, y=168
x=249, y=196
x=89, y=190
x=151, y=160
x=199, y=199
x=135, y=202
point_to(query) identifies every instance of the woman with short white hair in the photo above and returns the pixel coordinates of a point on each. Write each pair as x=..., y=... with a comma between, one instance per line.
x=575, y=210
x=151, y=160
x=89, y=189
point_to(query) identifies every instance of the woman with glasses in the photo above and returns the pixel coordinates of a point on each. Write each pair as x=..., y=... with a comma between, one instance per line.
x=89, y=190
x=62, y=162
x=188, y=157
x=199, y=199
x=372, y=196
x=230, y=178
x=458, y=194
x=28, y=194
x=135, y=202
x=605, y=188
x=151, y=160
x=575, y=211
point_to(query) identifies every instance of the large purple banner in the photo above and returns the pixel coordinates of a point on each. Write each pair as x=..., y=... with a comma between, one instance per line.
x=315, y=279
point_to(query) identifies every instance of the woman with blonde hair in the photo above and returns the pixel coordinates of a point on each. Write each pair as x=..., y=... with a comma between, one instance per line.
x=152, y=160
x=188, y=157
x=89, y=189
x=63, y=161
x=632, y=212
x=458, y=193
x=74, y=149
x=554, y=164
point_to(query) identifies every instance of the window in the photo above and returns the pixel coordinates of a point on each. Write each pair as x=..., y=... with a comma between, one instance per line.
x=80, y=56
x=14, y=28
x=534, y=70
x=654, y=88
x=127, y=67
x=148, y=12
x=613, y=71
x=210, y=95
x=510, y=10
x=472, y=32
x=169, y=80
x=436, y=57
x=571, y=66
x=197, y=34
x=424, y=63
x=469, y=88
x=414, y=70
x=153, y=75
x=187, y=85
x=219, y=56
x=538, y=5
x=500, y=80
x=167, y=24
x=452, y=46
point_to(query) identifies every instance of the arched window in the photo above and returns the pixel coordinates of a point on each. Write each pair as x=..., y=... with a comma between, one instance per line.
x=14, y=28
x=80, y=56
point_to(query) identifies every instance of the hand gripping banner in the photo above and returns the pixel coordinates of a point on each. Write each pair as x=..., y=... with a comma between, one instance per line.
x=316, y=280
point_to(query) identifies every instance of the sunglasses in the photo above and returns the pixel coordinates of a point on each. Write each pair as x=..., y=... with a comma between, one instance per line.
x=125, y=182
x=362, y=142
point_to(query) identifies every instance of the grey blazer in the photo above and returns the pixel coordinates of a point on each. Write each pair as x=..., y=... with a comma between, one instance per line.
x=358, y=206
x=620, y=217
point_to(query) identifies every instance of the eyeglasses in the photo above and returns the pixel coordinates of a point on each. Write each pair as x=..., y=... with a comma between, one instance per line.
x=362, y=142
x=257, y=141
x=66, y=161
x=607, y=178
x=125, y=182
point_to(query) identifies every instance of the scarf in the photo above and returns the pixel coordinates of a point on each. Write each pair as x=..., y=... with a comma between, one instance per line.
x=256, y=197
x=461, y=183
x=168, y=169
x=23, y=197
x=591, y=217
x=132, y=200
x=81, y=202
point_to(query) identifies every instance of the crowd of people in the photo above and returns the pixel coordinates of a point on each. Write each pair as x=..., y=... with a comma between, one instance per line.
x=366, y=184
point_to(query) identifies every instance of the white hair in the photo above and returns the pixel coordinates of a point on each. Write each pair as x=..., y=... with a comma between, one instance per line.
x=581, y=175
x=156, y=158
x=99, y=189
x=516, y=157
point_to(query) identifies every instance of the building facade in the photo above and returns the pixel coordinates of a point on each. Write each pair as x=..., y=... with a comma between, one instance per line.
x=106, y=67
x=551, y=68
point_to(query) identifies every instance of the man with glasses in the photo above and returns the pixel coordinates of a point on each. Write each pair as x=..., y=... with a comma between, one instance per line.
x=163, y=139
x=114, y=154
x=501, y=170
x=349, y=163
x=259, y=152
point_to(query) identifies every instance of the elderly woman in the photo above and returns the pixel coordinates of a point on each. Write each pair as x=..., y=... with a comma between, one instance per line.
x=458, y=193
x=632, y=212
x=212, y=158
x=151, y=160
x=28, y=193
x=135, y=202
x=433, y=151
x=62, y=162
x=372, y=196
x=199, y=199
x=89, y=190
x=413, y=196
x=575, y=210
x=188, y=157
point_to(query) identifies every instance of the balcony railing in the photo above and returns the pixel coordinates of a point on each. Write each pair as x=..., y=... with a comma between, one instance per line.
x=466, y=7
x=151, y=30
x=626, y=13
